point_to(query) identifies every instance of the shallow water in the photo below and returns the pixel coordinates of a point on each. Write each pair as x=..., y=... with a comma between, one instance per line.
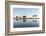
x=21, y=23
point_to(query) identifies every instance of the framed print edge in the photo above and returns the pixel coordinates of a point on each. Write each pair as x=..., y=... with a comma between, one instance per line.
x=7, y=18
x=6, y=31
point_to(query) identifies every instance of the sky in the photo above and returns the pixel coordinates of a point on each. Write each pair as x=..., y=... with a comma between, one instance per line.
x=25, y=11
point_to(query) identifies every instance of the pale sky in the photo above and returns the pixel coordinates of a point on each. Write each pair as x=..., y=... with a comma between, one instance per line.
x=25, y=11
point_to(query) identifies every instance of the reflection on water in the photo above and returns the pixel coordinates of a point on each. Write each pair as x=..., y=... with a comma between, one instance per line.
x=24, y=20
x=16, y=19
x=19, y=23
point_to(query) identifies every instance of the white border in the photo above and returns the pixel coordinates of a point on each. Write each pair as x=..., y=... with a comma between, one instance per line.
x=24, y=29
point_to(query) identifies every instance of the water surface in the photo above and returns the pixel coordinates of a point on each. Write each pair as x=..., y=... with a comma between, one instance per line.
x=21, y=23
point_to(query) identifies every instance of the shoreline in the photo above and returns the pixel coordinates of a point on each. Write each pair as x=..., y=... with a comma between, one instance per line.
x=25, y=18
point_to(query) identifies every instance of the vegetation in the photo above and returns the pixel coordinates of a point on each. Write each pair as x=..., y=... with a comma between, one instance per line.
x=24, y=16
x=34, y=16
x=19, y=16
x=16, y=16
